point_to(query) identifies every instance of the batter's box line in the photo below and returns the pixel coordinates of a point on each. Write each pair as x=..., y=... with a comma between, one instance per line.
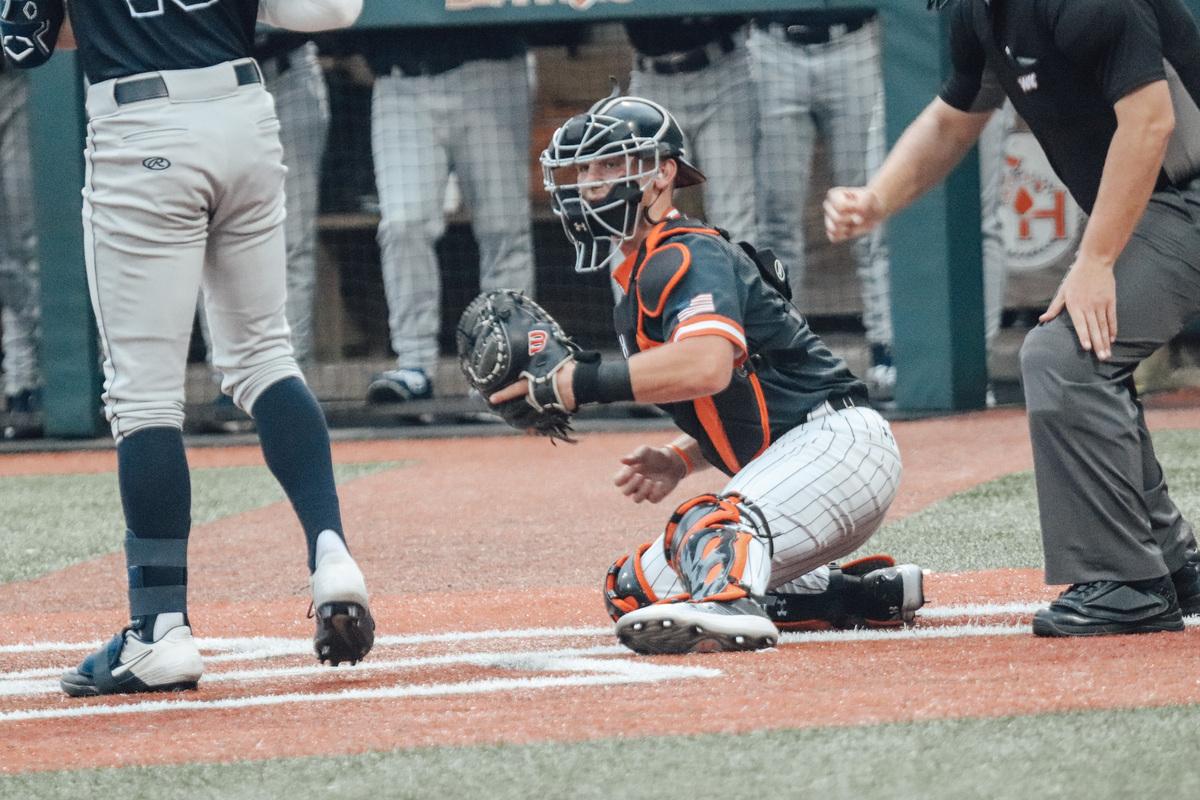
x=289, y=646
x=598, y=672
x=21, y=683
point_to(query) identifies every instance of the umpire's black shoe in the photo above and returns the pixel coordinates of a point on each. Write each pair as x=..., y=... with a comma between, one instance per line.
x=1102, y=608
x=1187, y=585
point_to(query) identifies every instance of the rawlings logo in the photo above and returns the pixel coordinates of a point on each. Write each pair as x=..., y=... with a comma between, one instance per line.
x=537, y=342
x=156, y=163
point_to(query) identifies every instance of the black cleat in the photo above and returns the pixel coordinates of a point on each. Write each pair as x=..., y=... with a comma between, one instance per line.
x=345, y=633
x=345, y=627
x=1186, y=580
x=1102, y=608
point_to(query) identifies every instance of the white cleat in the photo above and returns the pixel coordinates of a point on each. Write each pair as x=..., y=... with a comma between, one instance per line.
x=665, y=628
x=345, y=627
x=128, y=665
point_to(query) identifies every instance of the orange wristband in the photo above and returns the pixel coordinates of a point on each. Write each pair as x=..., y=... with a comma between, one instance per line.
x=687, y=462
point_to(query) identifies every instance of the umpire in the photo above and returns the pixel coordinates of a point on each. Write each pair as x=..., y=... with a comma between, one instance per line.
x=1110, y=90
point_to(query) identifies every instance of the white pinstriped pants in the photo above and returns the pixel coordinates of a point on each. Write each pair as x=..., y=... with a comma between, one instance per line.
x=824, y=488
x=20, y=314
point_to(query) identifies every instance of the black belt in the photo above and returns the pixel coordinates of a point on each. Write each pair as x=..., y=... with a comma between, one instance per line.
x=688, y=60
x=429, y=67
x=812, y=34
x=154, y=87
x=837, y=403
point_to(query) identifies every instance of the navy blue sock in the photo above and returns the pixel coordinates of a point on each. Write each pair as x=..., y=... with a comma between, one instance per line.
x=156, y=494
x=295, y=443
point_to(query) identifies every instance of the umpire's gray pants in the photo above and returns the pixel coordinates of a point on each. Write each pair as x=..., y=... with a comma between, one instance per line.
x=1105, y=512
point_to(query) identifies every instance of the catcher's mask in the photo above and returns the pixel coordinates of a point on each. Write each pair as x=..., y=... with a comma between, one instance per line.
x=598, y=166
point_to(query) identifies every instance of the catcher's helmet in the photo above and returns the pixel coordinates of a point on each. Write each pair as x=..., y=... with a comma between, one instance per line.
x=638, y=130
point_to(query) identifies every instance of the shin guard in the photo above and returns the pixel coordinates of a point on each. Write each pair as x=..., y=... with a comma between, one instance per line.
x=720, y=546
x=625, y=585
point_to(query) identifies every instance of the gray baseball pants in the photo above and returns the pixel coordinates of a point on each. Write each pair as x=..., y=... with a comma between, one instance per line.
x=474, y=120
x=302, y=105
x=19, y=285
x=1102, y=497
x=835, y=89
x=182, y=193
x=715, y=107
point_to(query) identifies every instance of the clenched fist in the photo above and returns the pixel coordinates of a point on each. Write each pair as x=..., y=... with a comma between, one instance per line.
x=850, y=212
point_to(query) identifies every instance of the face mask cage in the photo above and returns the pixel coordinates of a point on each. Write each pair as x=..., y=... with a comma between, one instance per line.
x=596, y=171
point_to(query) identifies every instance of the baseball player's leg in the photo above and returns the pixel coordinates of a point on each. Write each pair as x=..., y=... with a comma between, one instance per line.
x=1090, y=461
x=787, y=134
x=812, y=515
x=19, y=285
x=411, y=170
x=491, y=158
x=824, y=488
x=995, y=272
x=144, y=247
x=723, y=120
x=245, y=292
x=721, y=554
x=850, y=90
x=302, y=104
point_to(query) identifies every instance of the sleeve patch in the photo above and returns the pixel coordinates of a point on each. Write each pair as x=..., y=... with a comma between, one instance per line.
x=662, y=270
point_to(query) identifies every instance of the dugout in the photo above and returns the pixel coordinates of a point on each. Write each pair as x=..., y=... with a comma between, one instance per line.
x=935, y=245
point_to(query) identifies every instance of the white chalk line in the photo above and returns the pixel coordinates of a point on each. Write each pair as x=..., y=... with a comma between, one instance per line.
x=647, y=673
x=14, y=684
x=42, y=681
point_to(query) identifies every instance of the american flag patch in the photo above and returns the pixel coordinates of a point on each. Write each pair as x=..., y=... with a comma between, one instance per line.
x=701, y=304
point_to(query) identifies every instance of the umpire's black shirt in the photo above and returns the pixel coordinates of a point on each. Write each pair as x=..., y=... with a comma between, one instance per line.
x=1065, y=63
x=124, y=37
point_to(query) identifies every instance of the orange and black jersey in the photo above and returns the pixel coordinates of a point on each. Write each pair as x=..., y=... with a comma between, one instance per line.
x=687, y=280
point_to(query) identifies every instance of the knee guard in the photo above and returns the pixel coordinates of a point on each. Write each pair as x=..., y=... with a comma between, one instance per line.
x=720, y=546
x=625, y=586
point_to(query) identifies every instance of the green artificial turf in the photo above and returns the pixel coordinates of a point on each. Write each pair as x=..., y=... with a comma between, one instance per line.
x=1144, y=753
x=48, y=522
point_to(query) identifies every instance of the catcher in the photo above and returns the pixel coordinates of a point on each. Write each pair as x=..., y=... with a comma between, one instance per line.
x=710, y=336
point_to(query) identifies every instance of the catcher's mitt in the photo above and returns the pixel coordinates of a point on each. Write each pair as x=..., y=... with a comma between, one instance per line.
x=504, y=336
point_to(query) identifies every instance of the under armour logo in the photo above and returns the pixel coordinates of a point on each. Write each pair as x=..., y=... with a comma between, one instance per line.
x=156, y=163
x=1028, y=83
